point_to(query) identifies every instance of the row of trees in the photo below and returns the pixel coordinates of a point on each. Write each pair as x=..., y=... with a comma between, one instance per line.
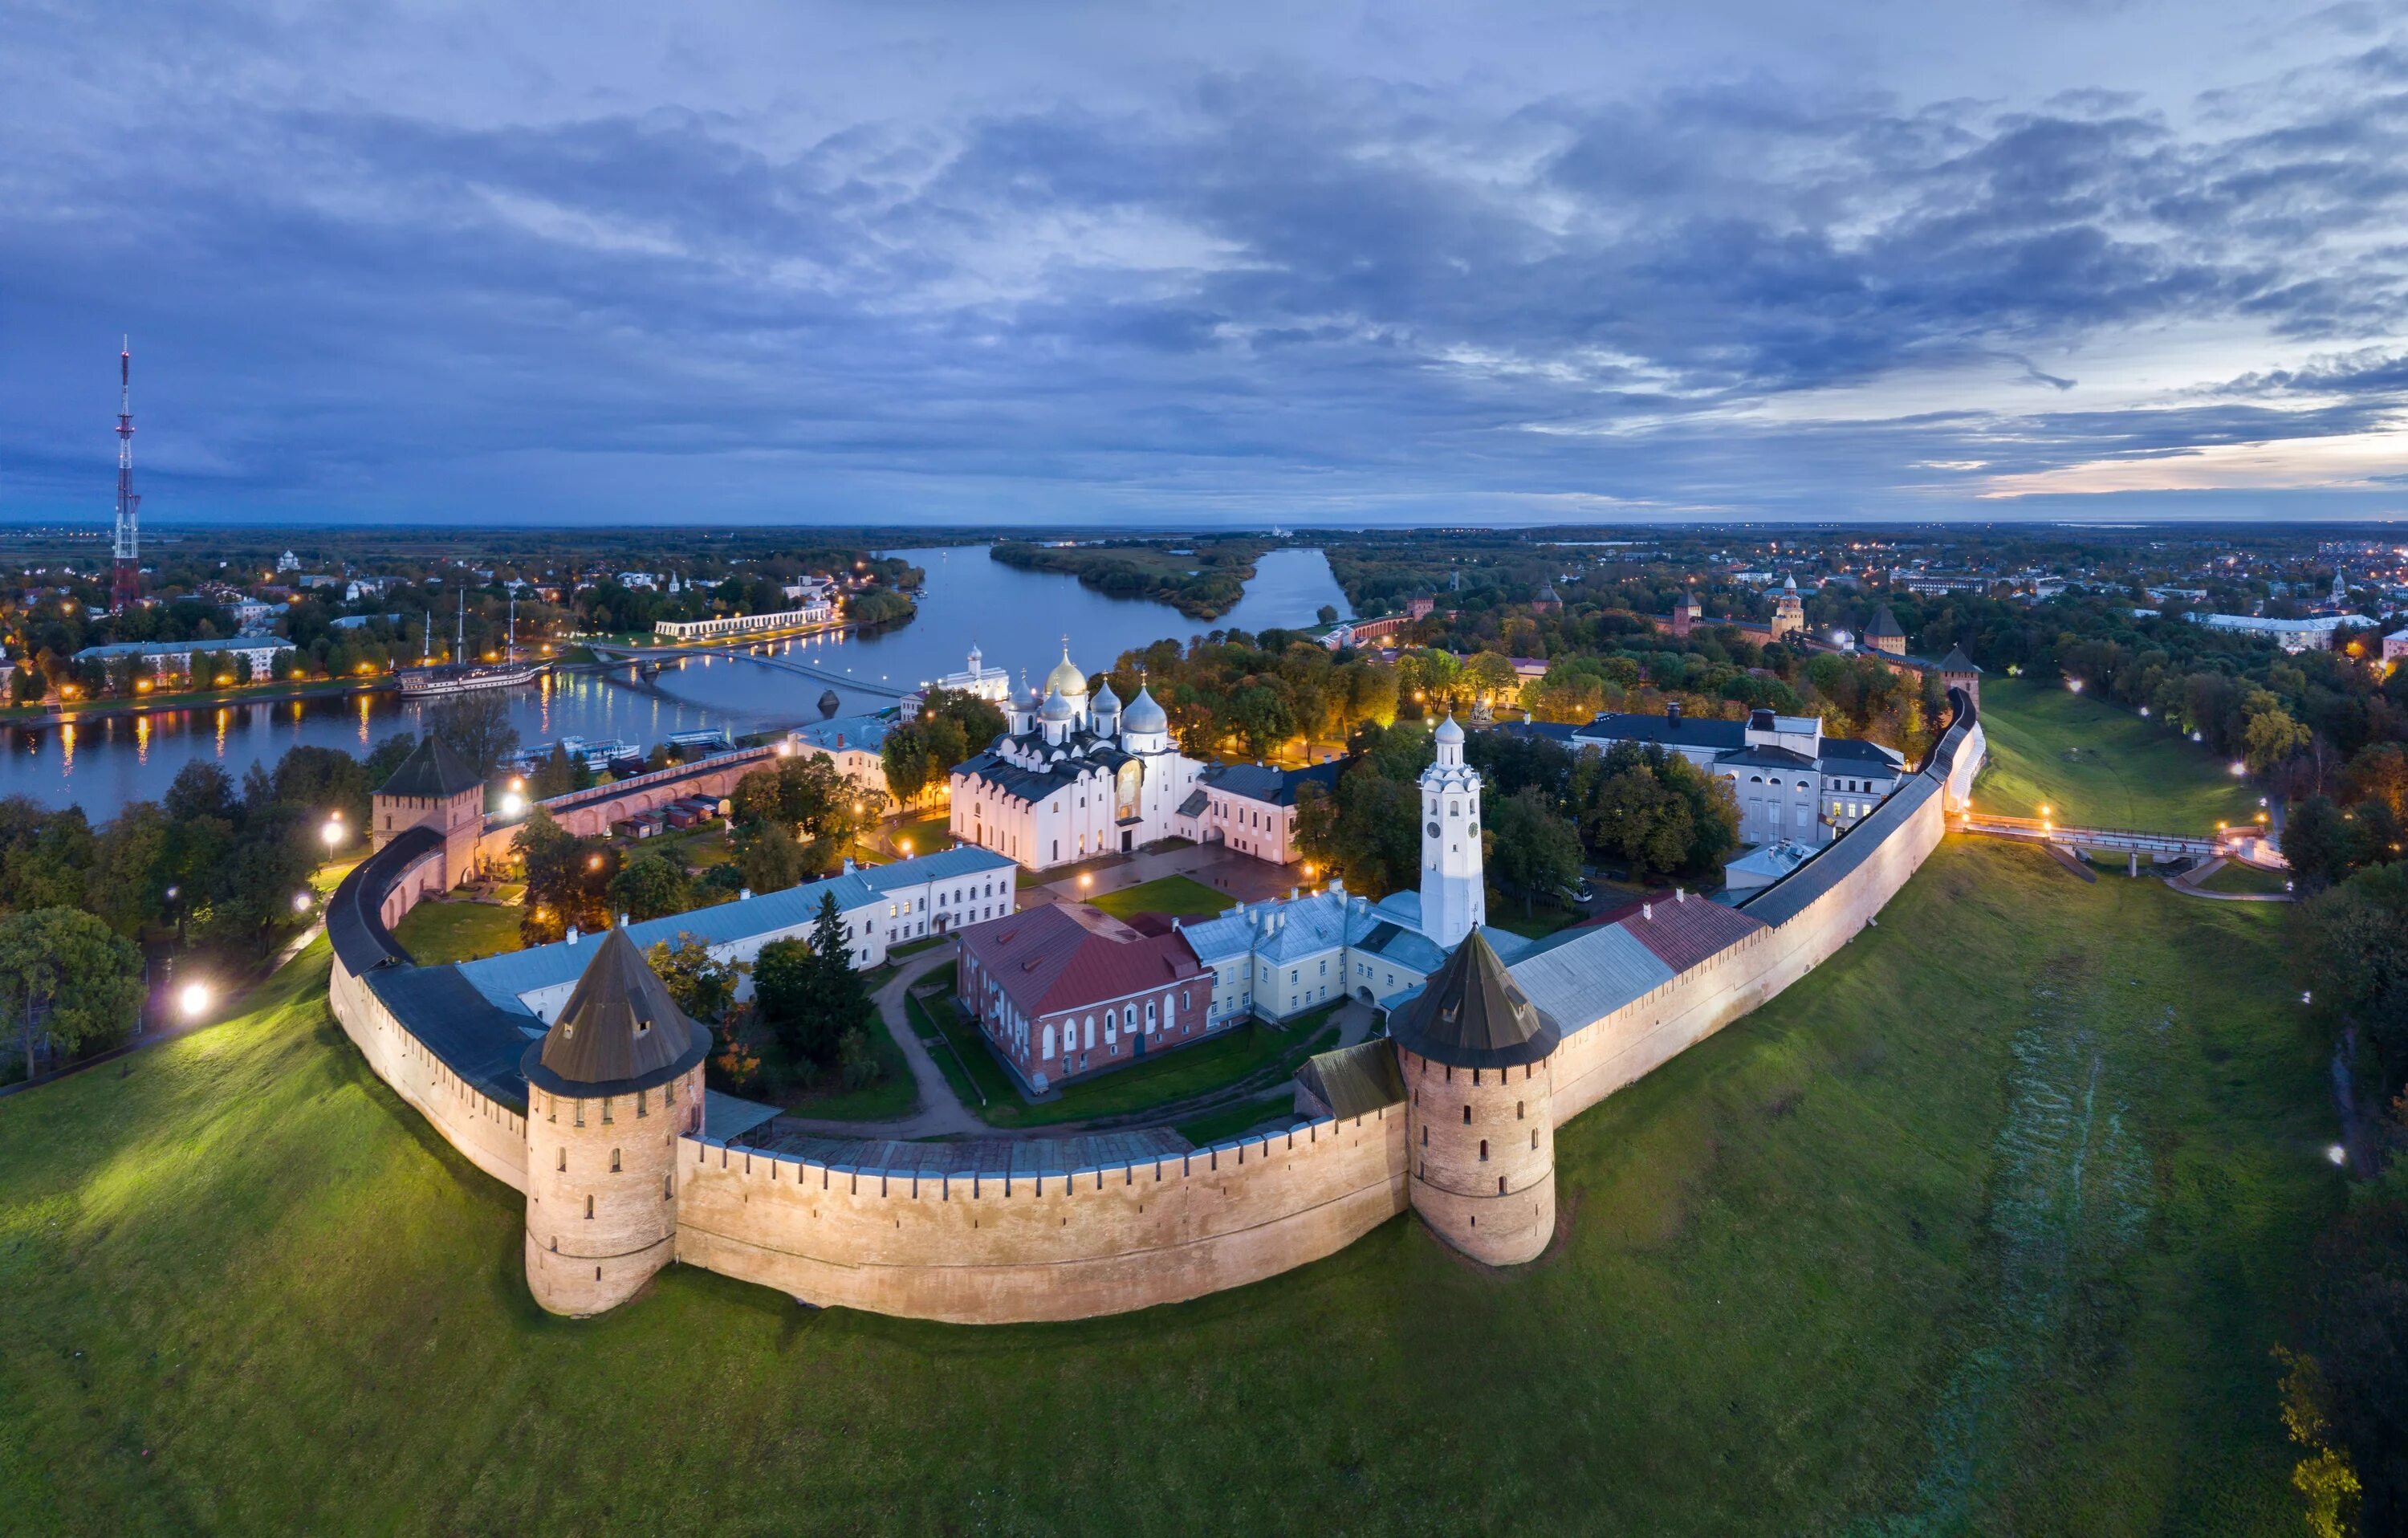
x=950, y=727
x=1548, y=807
x=810, y=1014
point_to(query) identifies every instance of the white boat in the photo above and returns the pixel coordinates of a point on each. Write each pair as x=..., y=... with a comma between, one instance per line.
x=435, y=682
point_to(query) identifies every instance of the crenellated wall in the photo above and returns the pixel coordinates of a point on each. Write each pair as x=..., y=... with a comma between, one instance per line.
x=1000, y=1249
x=492, y=1135
x=995, y=1249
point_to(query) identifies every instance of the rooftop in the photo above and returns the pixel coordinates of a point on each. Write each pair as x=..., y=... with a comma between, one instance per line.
x=432, y=772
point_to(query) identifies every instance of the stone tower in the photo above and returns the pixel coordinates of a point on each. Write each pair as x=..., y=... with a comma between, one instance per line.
x=434, y=789
x=609, y=1087
x=1959, y=671
x=1477, y=1063
x=1454, y=899
x=1884, y=635
x=1686, y=613
x=1788, y=611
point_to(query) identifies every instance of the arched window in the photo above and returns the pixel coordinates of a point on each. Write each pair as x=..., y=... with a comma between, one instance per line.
x=1424, y=1134
x=1500, y=1186
x=1467, y=1113
x=1521, y=1111
x=1149, y=1015
x=1534, y=1137
x=589, y=1205
x=563, y=1166
x=1484, y=1150
x=1049, y=1042
x=614, y=1161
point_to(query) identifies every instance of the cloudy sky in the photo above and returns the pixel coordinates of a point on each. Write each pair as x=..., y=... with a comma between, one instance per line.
x=1130, y=263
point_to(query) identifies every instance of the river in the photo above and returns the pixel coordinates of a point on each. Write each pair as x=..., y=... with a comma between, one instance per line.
x=1017, y=618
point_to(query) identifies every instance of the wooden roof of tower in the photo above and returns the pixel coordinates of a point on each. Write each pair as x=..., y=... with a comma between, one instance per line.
x=619, y=1032
x=1473, y=1015
x=432, y=772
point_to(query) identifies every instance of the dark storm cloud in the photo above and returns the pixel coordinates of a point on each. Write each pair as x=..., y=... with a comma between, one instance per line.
x=1276, y=289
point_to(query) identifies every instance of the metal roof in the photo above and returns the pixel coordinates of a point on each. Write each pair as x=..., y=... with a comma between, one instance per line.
x=1473, y=1015
x=485, y=1045
x=1589, y=974
x=1354, y=1080
x=431, y=772
x=619, y=1032
x=354, y=917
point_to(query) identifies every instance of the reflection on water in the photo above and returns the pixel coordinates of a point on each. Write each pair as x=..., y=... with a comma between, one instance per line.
x=1015, y=617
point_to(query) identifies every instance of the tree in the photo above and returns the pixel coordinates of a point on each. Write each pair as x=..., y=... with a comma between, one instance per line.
x=201, y=789
x=386, y=759
x=2318, y=843
x=1532, y=848
x=476, y=726
x=809, y=993
x=650, y=885
x=770, y=859
x=2272, y=737
x=1490, y=676
x=567, y=878
x=318, y=781
x=66, y=979
x=703, y=985
x=129, y=869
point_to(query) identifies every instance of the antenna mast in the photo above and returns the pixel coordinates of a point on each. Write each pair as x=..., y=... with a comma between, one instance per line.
x=125, y=566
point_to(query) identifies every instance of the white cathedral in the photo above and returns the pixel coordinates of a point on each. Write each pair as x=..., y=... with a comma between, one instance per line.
x=1074, y=777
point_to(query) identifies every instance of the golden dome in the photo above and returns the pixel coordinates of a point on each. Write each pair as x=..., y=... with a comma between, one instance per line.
x=1066, y=680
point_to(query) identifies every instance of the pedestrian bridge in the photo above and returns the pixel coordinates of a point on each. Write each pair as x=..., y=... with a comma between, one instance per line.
x=2123, y=841
x=742, y=651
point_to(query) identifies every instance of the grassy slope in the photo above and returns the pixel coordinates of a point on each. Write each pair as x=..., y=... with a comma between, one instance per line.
x=2122, y=772
x=440, y=931
x=1827, y=1273
x=1179, y=896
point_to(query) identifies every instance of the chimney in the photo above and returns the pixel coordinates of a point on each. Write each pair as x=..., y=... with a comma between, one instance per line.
x=622, y=921
x=1680, y=894
x=1647, y=910
x=1673, y=711
x=572, y=934
x=1294, y=893
x=744, y=894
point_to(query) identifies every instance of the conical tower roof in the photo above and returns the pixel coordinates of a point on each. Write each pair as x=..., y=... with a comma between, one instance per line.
x=619, y=1032
x=1958, y=662
x=1472, y=1015
x=1883, y=624
x=432, y=772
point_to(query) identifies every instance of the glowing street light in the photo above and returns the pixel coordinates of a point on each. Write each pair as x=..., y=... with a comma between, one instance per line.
x=2239, y=768
x=904, y=845
x=2339, y=1155
x=513, y=804
x=332, y=832
x=194, y=999
x=300, y=902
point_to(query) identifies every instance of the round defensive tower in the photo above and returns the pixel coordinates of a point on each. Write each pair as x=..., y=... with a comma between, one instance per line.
x=1477, y=1059
x=609, y=1087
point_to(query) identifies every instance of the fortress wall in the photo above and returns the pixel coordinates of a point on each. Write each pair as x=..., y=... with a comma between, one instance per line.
x=490, y=1134
x=1649, y=1031
x=991, y=1250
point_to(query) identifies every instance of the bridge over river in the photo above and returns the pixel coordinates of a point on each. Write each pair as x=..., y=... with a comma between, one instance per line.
x=655, y=656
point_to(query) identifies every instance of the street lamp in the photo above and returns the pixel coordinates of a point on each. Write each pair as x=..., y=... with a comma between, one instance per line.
x=194, y=999
x=300, y=902
x=513, y=804
x=332, y=833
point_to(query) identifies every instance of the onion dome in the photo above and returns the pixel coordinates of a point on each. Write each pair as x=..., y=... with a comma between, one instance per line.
x=1449, y=733
x=1473, y=1015
x=1057, y=709
x=1065, y=679
x=1145, y=714
x=619, y=1032
x=1789, y=584
x=1106, y=702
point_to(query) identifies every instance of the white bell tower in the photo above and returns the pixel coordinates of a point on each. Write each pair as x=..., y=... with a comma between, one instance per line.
x=1455, y=899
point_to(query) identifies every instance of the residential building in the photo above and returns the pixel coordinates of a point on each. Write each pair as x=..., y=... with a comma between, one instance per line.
x=163, y=658
x=1064, y=992
x=1251, y=808
x=1790, y=781
x=853, y=742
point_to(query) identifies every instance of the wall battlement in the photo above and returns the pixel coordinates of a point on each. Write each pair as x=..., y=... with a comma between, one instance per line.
x=958, y=1239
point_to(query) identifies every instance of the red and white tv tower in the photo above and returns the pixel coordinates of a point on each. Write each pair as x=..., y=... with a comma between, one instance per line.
x=126, y=574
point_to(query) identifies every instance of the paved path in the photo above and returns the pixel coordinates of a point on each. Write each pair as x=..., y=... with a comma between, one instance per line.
x=2187, y=884
x=942, y=1112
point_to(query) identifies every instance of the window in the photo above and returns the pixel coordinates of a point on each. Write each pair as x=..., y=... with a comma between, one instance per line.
x=642, y=1106
x=580, y=1112
x=563, y=1165
x=1534, y=1138
x=1521, y=1111
x=1467, y=1115
x=1483, y=1148
x=1501, y=1184
x=614, y=1161
x=589, y=1212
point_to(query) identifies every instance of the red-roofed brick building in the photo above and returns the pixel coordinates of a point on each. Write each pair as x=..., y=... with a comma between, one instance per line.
x=1063, y=992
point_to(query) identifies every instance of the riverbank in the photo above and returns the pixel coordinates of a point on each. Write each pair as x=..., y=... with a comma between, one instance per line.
x=247, y=694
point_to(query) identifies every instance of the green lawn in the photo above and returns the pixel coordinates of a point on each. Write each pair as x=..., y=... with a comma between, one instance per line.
x=440, y=930
x=895, y=1093
x=926, y=835
x=2233, y=876
x=1179, y=896
x=1544, y=919
x=2097, y=765
x=1986, y=1225
x=1219, y=1126
x=1165, y=1078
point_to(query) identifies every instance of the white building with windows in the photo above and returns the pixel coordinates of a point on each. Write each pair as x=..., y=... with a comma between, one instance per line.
x=1074, y=777
x=1280, y=958
x=1790, y=781
x=882, y=906
x=993, y=684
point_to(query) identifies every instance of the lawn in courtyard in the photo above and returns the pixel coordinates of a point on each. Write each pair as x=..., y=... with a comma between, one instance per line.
x=1827, y=1271
x=446, y=929
x=2098, y=764
x=1174, y=897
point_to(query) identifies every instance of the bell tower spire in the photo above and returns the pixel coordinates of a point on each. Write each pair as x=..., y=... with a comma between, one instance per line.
x=1454, y=898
